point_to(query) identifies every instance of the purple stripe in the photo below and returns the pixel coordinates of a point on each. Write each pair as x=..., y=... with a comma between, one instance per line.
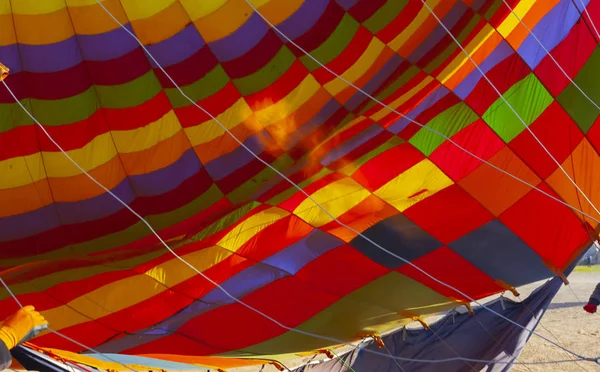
x=477, y=4
x=152, y=184
x=241, y=41
x=226, y=164
x=347, y=4
x=303, y=19
x=282, y=264
x=51, y=57
x=178, y=47
x=376, y=82
x=316, y=122
x=297, y=255
x=240, y=285
x=502, y=51
x=9, y=56
x=100, y=206
x=450, y=20
x=106, y=46
x=351, y=144
x=439, y=93
x=168, y=178
x=550, y=31
x=22, y=225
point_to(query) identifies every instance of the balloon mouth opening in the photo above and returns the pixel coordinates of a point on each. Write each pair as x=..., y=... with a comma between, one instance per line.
x=3, y=72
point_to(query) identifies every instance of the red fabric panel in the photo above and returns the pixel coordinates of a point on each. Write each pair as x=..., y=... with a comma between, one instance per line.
x=449, y=214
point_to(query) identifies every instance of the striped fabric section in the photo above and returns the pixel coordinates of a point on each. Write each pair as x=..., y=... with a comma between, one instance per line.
x=100, y=276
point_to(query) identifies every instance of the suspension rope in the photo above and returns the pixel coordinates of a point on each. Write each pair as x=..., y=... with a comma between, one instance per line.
x=60, y=334
x=551, y=56
x=424, y=2
x=590, y=18
x=349, y=227
x=223, y=289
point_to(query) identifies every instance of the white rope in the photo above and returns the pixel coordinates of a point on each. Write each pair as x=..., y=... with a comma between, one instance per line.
x=10, y=292
x=352, y=229
x=509, y=105
x=330, y=339
x=391, y=109
x=551, y=56
x=590, y=18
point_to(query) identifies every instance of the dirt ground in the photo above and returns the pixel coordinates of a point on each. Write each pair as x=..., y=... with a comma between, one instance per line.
x=568, y=324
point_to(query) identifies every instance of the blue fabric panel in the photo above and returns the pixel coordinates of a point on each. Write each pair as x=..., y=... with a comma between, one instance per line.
x=499, y=253
x=465, y=335
x=399, y=235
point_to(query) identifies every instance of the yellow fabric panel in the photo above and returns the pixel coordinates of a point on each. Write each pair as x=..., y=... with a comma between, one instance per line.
x=24, y=170
x=92, y=20
x=80, y=187
x=210, y=130
x=357, y=69
x=224, y=21
x=409, y=31
x=250, y=227
x=337, y=198
x=474, y=45
x=33, y=7
x=127, y=292
x=199, y=9
x=172, y=19
x=98, y=151
x=383, y=112
x=95, y=362
x=479, y=56
x=274, y=113
x=581, y=166
x=142, y=9
x=277, y=11
x=511, y=21
x=423, y=178
x=531, y=19
x=21, y=171
x=143, y=138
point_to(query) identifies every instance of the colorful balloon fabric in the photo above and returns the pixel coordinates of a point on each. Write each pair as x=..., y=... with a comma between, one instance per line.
x=100, y=276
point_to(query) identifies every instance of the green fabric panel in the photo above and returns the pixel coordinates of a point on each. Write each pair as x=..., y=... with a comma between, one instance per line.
x=134, y=232
x=268, y=74
x=392, y=88
x=528, y=98
x=492, y=10
x=334, y=45
x=361, y=311
x=448, y=123
x=130, y=94
x=12, y=115
x=443, y=57
x=225, y=222
x=56, y=278
x=583, y=112
x=384, y=15
x=292, y=190
x=54, y=112
x=349, y=169
x=207, y=86
x=245, y=191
